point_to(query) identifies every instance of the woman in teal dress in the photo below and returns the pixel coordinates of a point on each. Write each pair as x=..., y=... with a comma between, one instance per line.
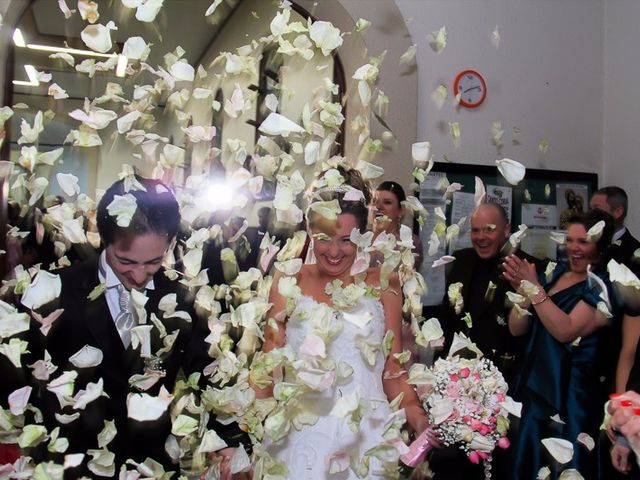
x=560, y=377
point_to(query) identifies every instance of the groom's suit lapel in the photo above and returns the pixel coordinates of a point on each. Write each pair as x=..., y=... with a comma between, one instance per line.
x=96, y=317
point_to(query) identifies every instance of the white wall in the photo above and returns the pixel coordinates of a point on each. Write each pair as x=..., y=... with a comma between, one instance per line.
x=546, y=78
x=621, y=148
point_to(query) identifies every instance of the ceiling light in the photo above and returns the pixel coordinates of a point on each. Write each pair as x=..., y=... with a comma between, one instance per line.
x=218, y=196
x=18, y=39
x=31, y=73
x=71, y=51
x=121, y=67
x=25, y=84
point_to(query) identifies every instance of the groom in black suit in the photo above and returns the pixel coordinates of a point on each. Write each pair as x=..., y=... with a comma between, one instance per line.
x=99, y=315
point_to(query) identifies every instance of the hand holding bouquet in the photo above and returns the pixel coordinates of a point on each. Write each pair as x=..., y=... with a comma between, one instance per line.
x=467, y=403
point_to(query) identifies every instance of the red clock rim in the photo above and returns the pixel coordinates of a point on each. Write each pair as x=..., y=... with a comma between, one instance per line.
x=484, y=88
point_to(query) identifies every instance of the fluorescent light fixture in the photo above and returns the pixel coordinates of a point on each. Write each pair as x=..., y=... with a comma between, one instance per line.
x=25, y=84
x=121, y=67
x=71, y=51
x=32, y=74
x=18, y=39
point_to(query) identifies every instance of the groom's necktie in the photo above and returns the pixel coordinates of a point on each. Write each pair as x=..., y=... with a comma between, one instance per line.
x=124, y=320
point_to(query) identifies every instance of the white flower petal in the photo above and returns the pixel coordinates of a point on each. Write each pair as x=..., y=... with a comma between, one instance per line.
x=62, y=4
x=92, y=392
x=511, y=170
x=586, y=440
x=135, y=48
x=442, y=261
x=560, y=449
x=57, y=92
x=595, y=232
x=326, y=37
x=18, y=400
x=144, y=407
x=148, y=10
x=276, y=124
x=126, y=121
x=44, y=288
x=211, y=442
x=409, y=55
x=438, y=39
x=495, y=37
x=86, y=357
x=431, y=330
x=271, y=102
x=97, y=38
x=212, y=8
x=73, y=230
x=181, y=70
x=68, y=183
x=123, y=207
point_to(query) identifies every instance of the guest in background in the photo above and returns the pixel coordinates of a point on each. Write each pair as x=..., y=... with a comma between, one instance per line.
x=389, y=214
x=483, y=295
x=624, y=340
x=484, y=290
x=615, y=202
x=565, y=323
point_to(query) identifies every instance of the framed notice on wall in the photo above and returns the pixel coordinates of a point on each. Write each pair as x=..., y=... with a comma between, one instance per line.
x=542, y=201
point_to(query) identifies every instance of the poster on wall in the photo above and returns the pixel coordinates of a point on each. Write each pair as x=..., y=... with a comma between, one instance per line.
x=542, y=220
x=503, y=196
x=571, y=198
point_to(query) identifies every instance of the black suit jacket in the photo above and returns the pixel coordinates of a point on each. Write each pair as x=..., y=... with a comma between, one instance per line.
x=489, y=329
x=624, y=250
x=89, y=322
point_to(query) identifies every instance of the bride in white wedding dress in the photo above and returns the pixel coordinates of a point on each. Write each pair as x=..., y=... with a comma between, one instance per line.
x=338, y=335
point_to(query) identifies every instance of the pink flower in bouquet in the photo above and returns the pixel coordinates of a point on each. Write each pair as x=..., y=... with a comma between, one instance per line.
x=485, y=429
x=500, y=397
x=474, y=457
x=454, y=377
x=483, y=455
x=476, y=376
x=454, y=390
x=476, y=424
x=464, y=373
x=504, y=443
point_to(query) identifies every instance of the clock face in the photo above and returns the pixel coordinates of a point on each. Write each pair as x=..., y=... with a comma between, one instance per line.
x=471, y=87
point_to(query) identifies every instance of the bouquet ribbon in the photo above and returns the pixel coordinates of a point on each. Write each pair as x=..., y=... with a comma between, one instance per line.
x=417, y=450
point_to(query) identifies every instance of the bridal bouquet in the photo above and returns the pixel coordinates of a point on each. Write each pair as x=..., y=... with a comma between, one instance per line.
x=467, y=403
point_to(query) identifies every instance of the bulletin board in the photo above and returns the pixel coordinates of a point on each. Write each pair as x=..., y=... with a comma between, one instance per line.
x=536, y=181
x=543, y=201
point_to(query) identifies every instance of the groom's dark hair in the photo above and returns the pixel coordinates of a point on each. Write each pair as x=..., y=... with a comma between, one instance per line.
x=157, y=211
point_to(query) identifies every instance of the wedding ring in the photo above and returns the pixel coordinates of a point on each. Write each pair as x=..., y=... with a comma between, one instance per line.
x=516, y=270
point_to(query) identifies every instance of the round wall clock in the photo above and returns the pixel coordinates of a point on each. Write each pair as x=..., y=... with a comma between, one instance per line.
x=471, y=87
